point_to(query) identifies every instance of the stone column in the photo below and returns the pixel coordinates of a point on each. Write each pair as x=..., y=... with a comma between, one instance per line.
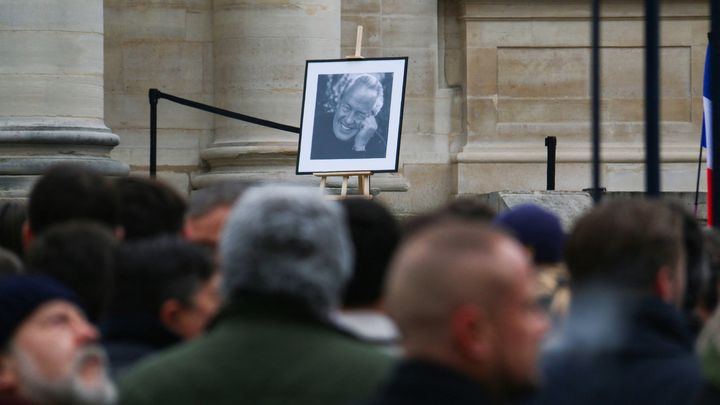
x=260, y=49
x=51, y=79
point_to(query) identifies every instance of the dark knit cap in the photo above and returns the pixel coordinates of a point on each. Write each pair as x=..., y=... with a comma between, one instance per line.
x=21, y=295
x=538, y=229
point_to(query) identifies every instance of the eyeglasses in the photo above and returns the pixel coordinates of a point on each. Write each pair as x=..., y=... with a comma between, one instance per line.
x=357, y=115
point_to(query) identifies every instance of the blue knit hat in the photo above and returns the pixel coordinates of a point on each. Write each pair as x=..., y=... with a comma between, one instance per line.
x=21, y=295
x=538, y=229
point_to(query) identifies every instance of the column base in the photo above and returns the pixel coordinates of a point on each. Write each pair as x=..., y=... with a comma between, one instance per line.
x=26, y=151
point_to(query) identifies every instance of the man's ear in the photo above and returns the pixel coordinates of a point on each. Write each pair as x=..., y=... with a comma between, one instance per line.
x=27, y=235
x=470, y=331
x=8, y=377
x=171, y=314
x=664, y=285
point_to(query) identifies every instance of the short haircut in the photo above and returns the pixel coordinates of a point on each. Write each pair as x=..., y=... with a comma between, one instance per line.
x=152, y=271
x=12, y=217
x=149, y=207
x=222, y=194
x=375, y=235
x=72, y=192
x=439, y=268
x=466, y=208
x=287, y=241
x=625, y=243
x=80, y=255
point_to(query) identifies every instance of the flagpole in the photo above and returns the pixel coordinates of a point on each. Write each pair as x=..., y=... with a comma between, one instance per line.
x=697, y=181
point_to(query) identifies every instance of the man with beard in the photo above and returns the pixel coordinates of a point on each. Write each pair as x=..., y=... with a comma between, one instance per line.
x=462, y=296
x=48, y=351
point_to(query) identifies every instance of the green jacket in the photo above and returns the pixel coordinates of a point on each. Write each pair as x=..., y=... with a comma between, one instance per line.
x=260, y=351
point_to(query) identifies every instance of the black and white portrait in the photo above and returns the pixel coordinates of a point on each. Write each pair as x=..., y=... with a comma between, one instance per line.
x=351, y=119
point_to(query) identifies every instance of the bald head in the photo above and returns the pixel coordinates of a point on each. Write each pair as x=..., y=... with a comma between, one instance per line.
x=444, y=267
x=463, y=295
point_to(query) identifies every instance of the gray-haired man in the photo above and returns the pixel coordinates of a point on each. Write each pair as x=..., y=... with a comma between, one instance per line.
x=286, y=256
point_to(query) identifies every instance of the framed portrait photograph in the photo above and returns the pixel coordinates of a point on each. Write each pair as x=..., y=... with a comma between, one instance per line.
x=352, y=115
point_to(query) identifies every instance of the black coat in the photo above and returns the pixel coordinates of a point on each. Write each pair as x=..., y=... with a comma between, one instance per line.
x=415, y=382
x=640, y=352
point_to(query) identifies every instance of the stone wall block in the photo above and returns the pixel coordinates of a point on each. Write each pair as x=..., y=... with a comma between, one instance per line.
x=366, y=52
x=430, y=186
x=409, y=7
x=623, y=72
x=49, y=52
x=361, y=6
x=418, y=116
x=169, y=66
x=46, y=15
x=422, y=73
x=148, y=23
x=482, y=118
x=554, y=34
x=133, y=111
x=243, y=24
x=409, y=32
x=45, y=95
x=492, y=34
x=545, y=72
x=176, y=147
x=198, y=25
x=372, y=36
x=483, y=79
x=543, y=110
x=113, y=76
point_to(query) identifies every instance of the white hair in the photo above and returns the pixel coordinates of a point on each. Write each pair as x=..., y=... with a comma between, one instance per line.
x=289, y=241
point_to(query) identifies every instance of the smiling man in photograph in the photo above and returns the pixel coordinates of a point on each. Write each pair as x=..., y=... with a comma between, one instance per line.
x=350, y=128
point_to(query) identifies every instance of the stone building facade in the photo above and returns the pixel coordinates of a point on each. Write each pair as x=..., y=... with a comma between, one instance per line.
x=487, y=82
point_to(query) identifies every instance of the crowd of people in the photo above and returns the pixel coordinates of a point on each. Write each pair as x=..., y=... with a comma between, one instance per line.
x=122, y=291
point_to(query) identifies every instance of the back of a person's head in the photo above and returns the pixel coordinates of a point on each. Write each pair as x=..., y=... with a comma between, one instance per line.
x=439, y=268
x=222, y=194
x=150, y=271
x=375, y=235
x=149, y=208
x=287, y=241
x=538, y=229
x=81, y=255
x=71, y=192
x=466, y=208
x=12, y=216
x=625, y=244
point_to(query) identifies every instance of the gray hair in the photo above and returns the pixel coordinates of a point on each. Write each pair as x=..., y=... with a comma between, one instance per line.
x=289, y=241
x=339, y=84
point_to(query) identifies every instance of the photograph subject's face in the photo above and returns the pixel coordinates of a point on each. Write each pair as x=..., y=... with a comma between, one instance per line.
x=354, y=108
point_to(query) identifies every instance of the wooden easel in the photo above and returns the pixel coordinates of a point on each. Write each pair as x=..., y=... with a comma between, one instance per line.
x=363, y=177
x=363, y=184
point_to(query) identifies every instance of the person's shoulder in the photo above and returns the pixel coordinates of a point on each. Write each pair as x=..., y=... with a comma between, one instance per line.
x=160, y=374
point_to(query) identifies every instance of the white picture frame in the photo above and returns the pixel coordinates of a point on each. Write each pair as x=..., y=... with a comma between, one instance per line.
x=352, y=115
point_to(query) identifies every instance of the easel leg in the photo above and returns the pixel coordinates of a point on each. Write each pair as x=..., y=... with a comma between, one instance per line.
x=343, y=191
x=322, y=184
x=364, y=185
